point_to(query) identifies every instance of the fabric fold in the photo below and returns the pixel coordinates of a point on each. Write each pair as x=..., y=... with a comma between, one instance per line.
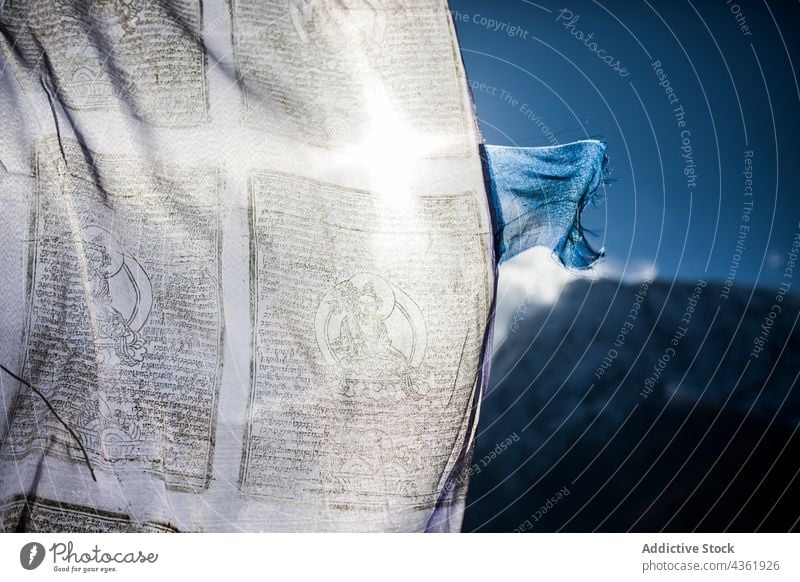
x=538, y=195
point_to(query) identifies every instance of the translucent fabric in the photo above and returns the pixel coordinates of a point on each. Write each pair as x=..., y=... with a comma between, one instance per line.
x=249, y=258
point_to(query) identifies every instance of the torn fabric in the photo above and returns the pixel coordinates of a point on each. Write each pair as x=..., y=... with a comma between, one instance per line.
x=538, y=195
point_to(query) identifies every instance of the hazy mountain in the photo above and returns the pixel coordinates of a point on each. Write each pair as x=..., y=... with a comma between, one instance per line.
x=710, y=439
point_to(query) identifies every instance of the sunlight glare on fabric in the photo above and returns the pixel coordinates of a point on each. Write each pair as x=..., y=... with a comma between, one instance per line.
x=390, y=152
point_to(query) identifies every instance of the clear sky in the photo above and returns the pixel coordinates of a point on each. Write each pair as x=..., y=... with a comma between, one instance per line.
x=687, y=94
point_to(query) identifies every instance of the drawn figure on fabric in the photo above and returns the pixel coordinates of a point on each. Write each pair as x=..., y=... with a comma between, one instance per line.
x=120, y=297
x=318, y=22
x=372, y=336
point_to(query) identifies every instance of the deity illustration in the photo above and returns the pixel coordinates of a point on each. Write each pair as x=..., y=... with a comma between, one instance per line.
x=372, y=336
x=112, y=431
x=120, y=297
x=342, y=43
x=323, y=22
x=125, y=14
x=88, y=83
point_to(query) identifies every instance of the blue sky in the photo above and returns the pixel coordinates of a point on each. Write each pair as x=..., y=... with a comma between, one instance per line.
x=688, y=96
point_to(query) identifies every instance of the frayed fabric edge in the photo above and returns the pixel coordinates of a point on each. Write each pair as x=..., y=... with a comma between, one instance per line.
x=575, y=251
x=516, y=177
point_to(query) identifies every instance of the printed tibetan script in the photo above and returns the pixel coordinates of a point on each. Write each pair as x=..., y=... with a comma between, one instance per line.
x=369, y=322
x=142, y=57
x=45, y=515
x=323, y=71
x=125, y=331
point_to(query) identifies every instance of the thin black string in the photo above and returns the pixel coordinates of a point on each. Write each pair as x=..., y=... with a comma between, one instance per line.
x=50, y=406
